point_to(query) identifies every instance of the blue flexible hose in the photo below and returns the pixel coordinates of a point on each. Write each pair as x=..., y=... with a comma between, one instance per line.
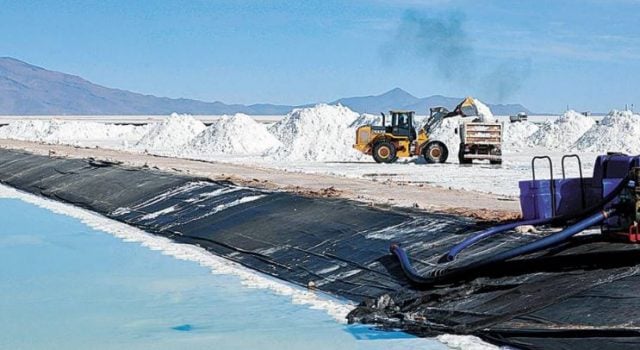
x=437, y=276
x=453, y=252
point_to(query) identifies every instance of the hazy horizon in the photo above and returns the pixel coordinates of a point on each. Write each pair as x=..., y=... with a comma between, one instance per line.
x=544, y=54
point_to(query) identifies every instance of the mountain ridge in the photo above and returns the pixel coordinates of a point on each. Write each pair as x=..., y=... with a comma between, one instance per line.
x=27, y=89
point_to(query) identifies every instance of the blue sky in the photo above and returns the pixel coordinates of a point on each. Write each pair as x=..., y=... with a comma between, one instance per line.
x=544, y=54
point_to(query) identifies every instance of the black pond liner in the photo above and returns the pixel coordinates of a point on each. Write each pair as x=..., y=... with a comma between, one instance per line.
x=584, y=294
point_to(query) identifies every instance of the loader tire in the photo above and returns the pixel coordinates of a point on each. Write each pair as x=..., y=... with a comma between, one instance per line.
x=495, y=162
x=435, y=152
x=384, y=152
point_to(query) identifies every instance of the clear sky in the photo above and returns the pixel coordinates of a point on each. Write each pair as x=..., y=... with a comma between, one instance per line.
x=546, y=54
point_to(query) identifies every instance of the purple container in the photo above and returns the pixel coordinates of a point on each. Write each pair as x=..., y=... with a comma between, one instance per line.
x=536, y=201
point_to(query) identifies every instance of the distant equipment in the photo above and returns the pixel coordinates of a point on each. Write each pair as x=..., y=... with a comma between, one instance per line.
x=520, y=117
x=386, y=143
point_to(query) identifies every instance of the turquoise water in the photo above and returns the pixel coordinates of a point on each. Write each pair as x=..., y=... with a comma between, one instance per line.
x=65, y=285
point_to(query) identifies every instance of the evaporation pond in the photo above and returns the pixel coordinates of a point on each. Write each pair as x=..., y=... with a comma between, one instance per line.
x=66, y=285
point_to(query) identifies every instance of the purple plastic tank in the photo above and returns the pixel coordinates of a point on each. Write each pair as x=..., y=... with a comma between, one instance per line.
x=571, y=195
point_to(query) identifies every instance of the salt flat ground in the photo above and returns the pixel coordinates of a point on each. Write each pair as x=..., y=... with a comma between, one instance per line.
x=477, y=177
x=480, y=177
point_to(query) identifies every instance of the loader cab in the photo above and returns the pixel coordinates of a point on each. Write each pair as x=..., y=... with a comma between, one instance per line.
x=401, y=124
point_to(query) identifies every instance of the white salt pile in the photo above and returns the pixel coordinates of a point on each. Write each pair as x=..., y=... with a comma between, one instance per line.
x=484, y=112
x=563, y=132
x=171, y=134
x=320, y=133
x=29, y=130
x=367, y=119
x=238, y=135
x=516, y=135
x=619, y=131
x=71, y=132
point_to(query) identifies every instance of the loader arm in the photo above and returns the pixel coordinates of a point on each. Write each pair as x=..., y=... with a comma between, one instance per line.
x=466, y=108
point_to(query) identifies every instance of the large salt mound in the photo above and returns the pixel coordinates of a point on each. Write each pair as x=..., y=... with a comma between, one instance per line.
x=515, y=136
x=619, y=131
x=239, y=134
x=563, y=132
x=320, y=133
x=171, y=134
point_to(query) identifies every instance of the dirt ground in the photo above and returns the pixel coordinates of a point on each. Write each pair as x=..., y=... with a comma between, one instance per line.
x=482, y=206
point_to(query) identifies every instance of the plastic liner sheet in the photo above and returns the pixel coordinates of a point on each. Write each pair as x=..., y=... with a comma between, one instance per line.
x=579, y=295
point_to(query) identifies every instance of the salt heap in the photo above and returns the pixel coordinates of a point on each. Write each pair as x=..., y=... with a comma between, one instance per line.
x=563, y=132
x=28, y=130
x=484, y=112
x=619, y=131
x=70, y=132
x=171, y=134
x=320, y=133
x=515, y=136
x=367, y=119
x=239, y=135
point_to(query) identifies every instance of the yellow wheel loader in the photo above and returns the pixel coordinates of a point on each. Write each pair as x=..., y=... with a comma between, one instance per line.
x=400, y=139
x=387, y=143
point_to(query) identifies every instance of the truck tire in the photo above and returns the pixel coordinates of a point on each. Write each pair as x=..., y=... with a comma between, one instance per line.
x=435, y=152
x=384, y=152
x=496, y=162
x=461, y=158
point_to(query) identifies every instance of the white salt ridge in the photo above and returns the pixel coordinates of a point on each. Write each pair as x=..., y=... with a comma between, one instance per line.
x=465, y=342
x=619, y=131
x=29, y=130
x=320, y=133
x=171, y=134
x=70, y=132
x=562, y=133
x=516, y=135
x=237, y=135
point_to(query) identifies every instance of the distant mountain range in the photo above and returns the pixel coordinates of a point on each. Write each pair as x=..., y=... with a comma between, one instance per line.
x=30, y=90
x=400, y=99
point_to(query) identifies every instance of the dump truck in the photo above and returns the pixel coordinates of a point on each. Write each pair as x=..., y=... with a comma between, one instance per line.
x=387, y=143
x=480, y=140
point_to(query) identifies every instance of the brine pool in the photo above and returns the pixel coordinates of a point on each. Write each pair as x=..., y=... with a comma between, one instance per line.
x=67, y=285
